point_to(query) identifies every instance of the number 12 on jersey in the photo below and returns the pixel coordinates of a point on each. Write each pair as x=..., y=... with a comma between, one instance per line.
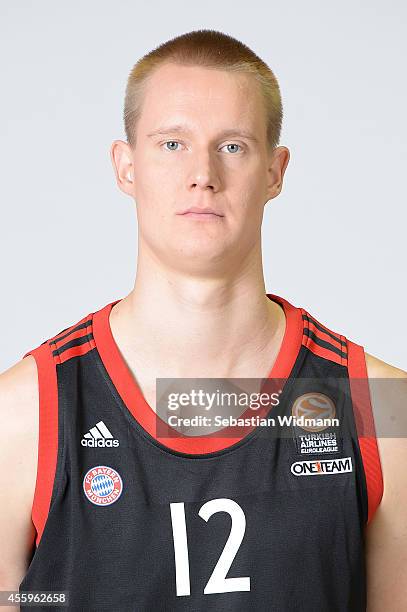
x=217, y=583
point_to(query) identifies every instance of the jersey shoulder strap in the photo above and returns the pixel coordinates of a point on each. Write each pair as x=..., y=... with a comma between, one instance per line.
x=69, y=342
x=333, y=346
x=322, y=341
x=365, y=425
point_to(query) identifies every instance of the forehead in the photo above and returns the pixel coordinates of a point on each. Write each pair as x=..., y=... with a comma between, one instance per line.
x=206, y=97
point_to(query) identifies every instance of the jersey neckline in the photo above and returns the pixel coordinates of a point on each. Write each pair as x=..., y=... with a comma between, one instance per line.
x=135, y=402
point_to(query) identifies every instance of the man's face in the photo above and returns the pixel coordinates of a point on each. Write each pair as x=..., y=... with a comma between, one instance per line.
x=184, y=158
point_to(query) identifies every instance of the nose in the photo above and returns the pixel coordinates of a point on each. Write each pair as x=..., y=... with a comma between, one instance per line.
x=204, y=174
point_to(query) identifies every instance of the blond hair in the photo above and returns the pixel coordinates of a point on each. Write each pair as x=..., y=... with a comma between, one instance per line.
x=209, y=49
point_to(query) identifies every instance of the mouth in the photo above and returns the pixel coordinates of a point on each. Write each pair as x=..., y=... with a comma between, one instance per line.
x=203, y=213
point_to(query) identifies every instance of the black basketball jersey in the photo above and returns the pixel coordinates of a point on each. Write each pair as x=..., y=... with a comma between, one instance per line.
x=129, y=521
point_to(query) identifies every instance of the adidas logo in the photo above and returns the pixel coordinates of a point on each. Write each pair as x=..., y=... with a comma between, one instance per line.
x=99, y=436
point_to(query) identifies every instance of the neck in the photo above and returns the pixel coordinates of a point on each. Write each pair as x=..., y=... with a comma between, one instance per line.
x=184, y=322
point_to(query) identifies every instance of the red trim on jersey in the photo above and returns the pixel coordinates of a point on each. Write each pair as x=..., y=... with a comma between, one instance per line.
x=68, y=330
x=64, y=339
x=133, y=398
x=359, y=385
x=326, y=329
x=324, y=351
x=75, y=351
x=59, y=341
x=48, y=436
x=324, y=335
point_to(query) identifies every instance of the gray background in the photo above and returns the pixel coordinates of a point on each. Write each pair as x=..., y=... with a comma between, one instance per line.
x=334, y=241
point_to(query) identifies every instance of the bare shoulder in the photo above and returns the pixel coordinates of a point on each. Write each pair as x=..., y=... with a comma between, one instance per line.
x=386, y=535
x=376, y=368
x=19, y=399
x=20, y=381
x=18, y=457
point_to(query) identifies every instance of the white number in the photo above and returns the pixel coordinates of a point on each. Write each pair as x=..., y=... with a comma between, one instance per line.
x=179, y=533
x=217, y=583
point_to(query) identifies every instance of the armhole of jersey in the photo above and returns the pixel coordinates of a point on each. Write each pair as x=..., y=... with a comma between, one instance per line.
x=47, y=436
x=365, y=427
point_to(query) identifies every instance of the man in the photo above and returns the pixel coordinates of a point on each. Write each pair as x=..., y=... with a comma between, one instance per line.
x=123, y=519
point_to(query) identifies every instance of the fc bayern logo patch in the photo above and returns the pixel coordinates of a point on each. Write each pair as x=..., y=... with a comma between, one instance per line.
x=102, y=485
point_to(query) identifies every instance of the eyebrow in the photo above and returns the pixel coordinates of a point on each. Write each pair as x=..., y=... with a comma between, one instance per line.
x=182, y=129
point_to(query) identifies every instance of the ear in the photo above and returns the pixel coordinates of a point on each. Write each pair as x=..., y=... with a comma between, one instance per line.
x=278, y=162
x=122, y=161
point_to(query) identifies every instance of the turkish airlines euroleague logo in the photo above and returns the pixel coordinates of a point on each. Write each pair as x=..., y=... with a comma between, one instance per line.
x=313, y=406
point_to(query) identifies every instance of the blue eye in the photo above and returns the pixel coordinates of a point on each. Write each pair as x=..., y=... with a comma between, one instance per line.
x=175, y=142
x=171, y=142
x=234, y=144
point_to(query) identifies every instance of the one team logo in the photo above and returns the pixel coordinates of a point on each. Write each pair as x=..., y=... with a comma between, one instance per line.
x=102, y=485
x=313, y=406
x=322, y=466
x=99, y=436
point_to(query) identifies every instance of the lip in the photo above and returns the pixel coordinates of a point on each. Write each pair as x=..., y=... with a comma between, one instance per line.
x=196, y=210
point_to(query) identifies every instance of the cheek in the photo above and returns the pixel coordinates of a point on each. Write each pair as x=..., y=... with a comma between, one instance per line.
x=249, y=213
x=155, y=201
x=249, y=178
x=155, y=176
x=148, y=181
x=251, y=196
